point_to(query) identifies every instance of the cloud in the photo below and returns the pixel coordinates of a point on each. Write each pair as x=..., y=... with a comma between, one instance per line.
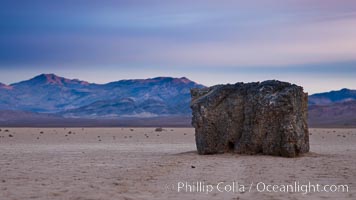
x=300, y=43
x=228, y=33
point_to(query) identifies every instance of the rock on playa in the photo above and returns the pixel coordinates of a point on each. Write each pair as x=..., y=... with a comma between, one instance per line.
x=251, y=118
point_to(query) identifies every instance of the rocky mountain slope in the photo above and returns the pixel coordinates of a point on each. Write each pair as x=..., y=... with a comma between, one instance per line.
x=333, y=109
x=333, y=115
x=48, y=93
x=138, y=98
x=331, y=97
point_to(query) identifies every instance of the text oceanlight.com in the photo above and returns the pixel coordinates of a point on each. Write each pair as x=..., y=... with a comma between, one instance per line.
x=236, y=187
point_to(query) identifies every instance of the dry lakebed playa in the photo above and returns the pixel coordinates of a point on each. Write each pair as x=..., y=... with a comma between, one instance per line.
x=142, y=163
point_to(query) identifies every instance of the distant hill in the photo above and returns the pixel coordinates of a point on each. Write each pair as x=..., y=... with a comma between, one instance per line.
x=10, y=118
x=48, y=93
x=333, y=109
x=12, y=115
x=48, y=99
x=326, y=98
x=4, y=86
x=333, y=115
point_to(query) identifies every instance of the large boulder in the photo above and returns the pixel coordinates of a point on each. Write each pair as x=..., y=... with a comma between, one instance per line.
x=251, y=118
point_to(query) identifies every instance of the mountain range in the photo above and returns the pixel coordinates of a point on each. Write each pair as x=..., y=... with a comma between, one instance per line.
x=48, y=93
x=333, y=109
x=58, y=99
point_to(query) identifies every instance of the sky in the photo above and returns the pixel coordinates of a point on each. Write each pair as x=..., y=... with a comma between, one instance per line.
x=311, y=43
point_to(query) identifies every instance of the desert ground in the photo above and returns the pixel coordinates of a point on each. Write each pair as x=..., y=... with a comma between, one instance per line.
x=141, y=163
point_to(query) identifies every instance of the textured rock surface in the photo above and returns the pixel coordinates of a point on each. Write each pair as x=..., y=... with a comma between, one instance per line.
x=268, y=117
